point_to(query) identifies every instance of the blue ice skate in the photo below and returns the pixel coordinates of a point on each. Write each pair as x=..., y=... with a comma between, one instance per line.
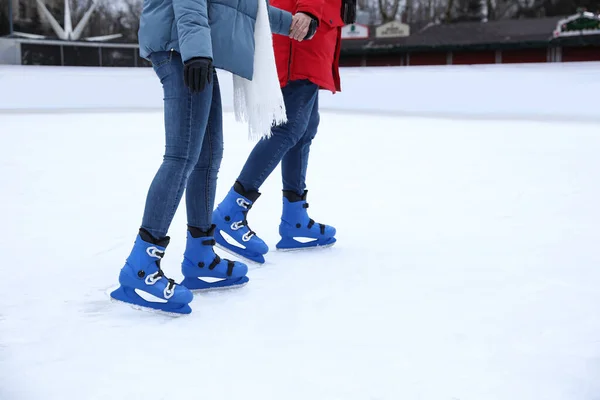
x=297, y=230
x=233, y=233
x=143, y=283
x=204, y=270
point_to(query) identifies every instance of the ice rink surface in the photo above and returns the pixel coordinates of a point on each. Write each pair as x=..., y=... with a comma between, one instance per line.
x=466, y=266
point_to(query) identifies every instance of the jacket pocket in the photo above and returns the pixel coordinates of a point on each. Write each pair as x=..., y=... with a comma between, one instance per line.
x=332, y=14
x=160, y=58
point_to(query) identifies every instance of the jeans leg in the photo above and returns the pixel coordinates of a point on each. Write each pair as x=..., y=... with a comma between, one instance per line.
x=295, y=162
x=202, y=183
x=185, y=118
x=299, y=98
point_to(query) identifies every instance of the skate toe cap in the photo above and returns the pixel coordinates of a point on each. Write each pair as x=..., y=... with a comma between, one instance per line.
x=239, y=270
x=182, y=295
x=330, y=231
x=259, y=246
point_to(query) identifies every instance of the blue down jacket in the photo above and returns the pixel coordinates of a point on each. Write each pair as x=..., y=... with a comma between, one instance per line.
x=220, y=29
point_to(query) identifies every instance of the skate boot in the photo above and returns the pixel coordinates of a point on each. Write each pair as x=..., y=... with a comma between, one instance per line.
x=233, y=233
x=143, y=283
x=204, y=270
x=298, y=231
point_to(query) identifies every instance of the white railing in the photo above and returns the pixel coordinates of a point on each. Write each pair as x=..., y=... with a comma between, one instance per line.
x=69, y=53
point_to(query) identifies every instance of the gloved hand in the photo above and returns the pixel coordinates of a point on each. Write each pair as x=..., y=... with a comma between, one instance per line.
x=312, y=29
x=197, y=72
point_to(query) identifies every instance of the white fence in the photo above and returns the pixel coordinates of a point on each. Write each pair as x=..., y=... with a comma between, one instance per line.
x=553, y=92
x=64, y=53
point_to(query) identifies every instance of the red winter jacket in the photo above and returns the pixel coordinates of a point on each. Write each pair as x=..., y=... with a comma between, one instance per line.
x=317, y=59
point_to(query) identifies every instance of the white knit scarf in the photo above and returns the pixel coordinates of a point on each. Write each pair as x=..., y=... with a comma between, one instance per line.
x=259, y=101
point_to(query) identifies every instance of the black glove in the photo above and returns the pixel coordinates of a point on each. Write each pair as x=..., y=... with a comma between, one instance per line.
x=349, y=11
x=312, y=28
x=197, y=72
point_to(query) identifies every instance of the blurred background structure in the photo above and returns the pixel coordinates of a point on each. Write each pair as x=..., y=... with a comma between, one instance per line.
x=387, y=33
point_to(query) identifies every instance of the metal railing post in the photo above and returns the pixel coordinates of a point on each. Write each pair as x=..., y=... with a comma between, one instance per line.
x=10, y=17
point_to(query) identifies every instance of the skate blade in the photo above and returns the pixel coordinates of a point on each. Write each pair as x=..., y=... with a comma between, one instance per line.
x=149, y=309
x=138, y=307
x=244, y=259
x=218, y=289
x=215, y=288
x=308, y=248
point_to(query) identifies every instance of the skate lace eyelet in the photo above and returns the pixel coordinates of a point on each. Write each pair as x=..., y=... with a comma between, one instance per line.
x=154, y=252
x=151, y=279
x=237, y=225
x=168, y=293
x=247, y=236
x=141, y=273
x=242, y=203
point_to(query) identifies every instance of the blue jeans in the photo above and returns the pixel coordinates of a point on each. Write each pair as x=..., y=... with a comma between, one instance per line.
x=290, y=142
x=193, y=150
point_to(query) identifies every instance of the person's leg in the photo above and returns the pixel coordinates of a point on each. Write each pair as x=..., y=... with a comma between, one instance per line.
x=233, y=233
x=295, y=162
x=202, y=183
x=185, y=116
x=295, y=222
x=299, y=98
x=199, y=259
x=185, y=119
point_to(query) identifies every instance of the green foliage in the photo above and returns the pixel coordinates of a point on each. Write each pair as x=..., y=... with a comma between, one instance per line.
x=581, y=24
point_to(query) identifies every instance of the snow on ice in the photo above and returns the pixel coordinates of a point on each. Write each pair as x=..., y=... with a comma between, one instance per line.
x=466, y=266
